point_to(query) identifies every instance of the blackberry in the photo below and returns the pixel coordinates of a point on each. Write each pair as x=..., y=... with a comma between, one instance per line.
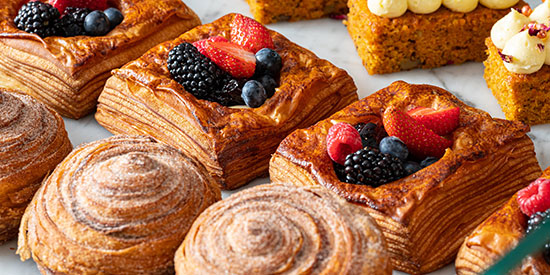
x=534, y=221
x=202, y=77
x=72, y=23
x=38, y=18
x=370, y=167
x=370, y=133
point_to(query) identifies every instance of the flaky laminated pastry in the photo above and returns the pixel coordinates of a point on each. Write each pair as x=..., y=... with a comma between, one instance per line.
x=120, y=205
x=33, y=141
x=234, y=144
x=424, y=216
x=68, y=73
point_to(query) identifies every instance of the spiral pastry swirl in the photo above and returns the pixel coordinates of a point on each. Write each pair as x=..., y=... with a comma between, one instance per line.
x=121, y=205
x=33, y=141
x=280, y=229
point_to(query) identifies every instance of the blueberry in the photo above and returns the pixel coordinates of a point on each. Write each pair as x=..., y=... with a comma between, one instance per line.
x=428, y=161
x=269, y=84
x=395, y=147
x=268, y=62
x=96, y=24
x=115, y=16
x=411, y=167
x=253, y=94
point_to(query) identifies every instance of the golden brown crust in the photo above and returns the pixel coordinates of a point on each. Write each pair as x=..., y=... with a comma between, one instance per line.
x=282, y=229
x=271, y=11
x=410, y=41
x=417, y=213
x=81, y=64
x=33, y=141
x=522, y=97
x=120, y=205
x=234, y=144
x=496, y=236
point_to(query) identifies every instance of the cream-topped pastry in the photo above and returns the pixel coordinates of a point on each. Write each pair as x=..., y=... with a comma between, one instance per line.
x=526, y=52
x=423, y=6
x=541, y=14
x=396, y=8
x=461, y=5
x=508, y=26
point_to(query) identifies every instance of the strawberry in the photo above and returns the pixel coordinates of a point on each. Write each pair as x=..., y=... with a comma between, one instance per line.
x=201, y=44
x=90, y=4
x=421, y=141
x=250, y=34
x=535, y=197
x=232, y=58
x=441, y=122
x=342, y=140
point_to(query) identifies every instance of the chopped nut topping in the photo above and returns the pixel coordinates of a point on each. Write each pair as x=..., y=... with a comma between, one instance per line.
x=535, y=29
x=526, y=10
x=540, y=46
x=505, y=58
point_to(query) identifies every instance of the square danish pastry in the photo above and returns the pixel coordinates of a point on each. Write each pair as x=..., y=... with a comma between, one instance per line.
x=404, y=35
x=426, y=166
x=505, y=228
x=64, y=63
x=191, y=93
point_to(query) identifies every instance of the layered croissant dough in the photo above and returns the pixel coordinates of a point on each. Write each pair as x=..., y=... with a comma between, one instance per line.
x=234, y=144
x=490, y=160
x=281, y=229
x=33, y=141
x=68, y=73
x=121, y=205
x=495, y=237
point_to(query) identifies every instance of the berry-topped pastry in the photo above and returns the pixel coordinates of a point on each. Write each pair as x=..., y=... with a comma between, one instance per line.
x=398, y=35
x=417, y=159
x=518, y=65
x=62, y=51
x=505, y=228
x=225, y=93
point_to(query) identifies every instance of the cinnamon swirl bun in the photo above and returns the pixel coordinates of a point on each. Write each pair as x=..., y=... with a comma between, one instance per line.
x=120, y=205
x=280, y=229
x=33, y=141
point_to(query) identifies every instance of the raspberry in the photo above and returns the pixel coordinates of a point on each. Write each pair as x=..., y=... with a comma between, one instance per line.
x=342, y=140
x=535, y=197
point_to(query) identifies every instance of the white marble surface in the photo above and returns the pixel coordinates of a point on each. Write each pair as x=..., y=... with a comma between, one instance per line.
x=328, y=39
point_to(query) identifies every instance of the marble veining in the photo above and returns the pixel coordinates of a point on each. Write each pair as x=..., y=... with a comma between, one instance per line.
x=329, y=39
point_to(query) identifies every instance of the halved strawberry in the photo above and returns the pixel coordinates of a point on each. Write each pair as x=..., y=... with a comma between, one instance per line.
x=441, y=122
x=90, y=4
x=535, y=197
x=342, y=140
x=421, y=141
x=232, y=58
x=250, y=34
x=201, y=44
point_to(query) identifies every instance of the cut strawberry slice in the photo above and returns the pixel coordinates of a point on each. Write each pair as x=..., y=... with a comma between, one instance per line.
x=90, y=4
x=421, y=141
x=250, y=34
x=441, y=122
x=232, y=58
x=201, y=44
